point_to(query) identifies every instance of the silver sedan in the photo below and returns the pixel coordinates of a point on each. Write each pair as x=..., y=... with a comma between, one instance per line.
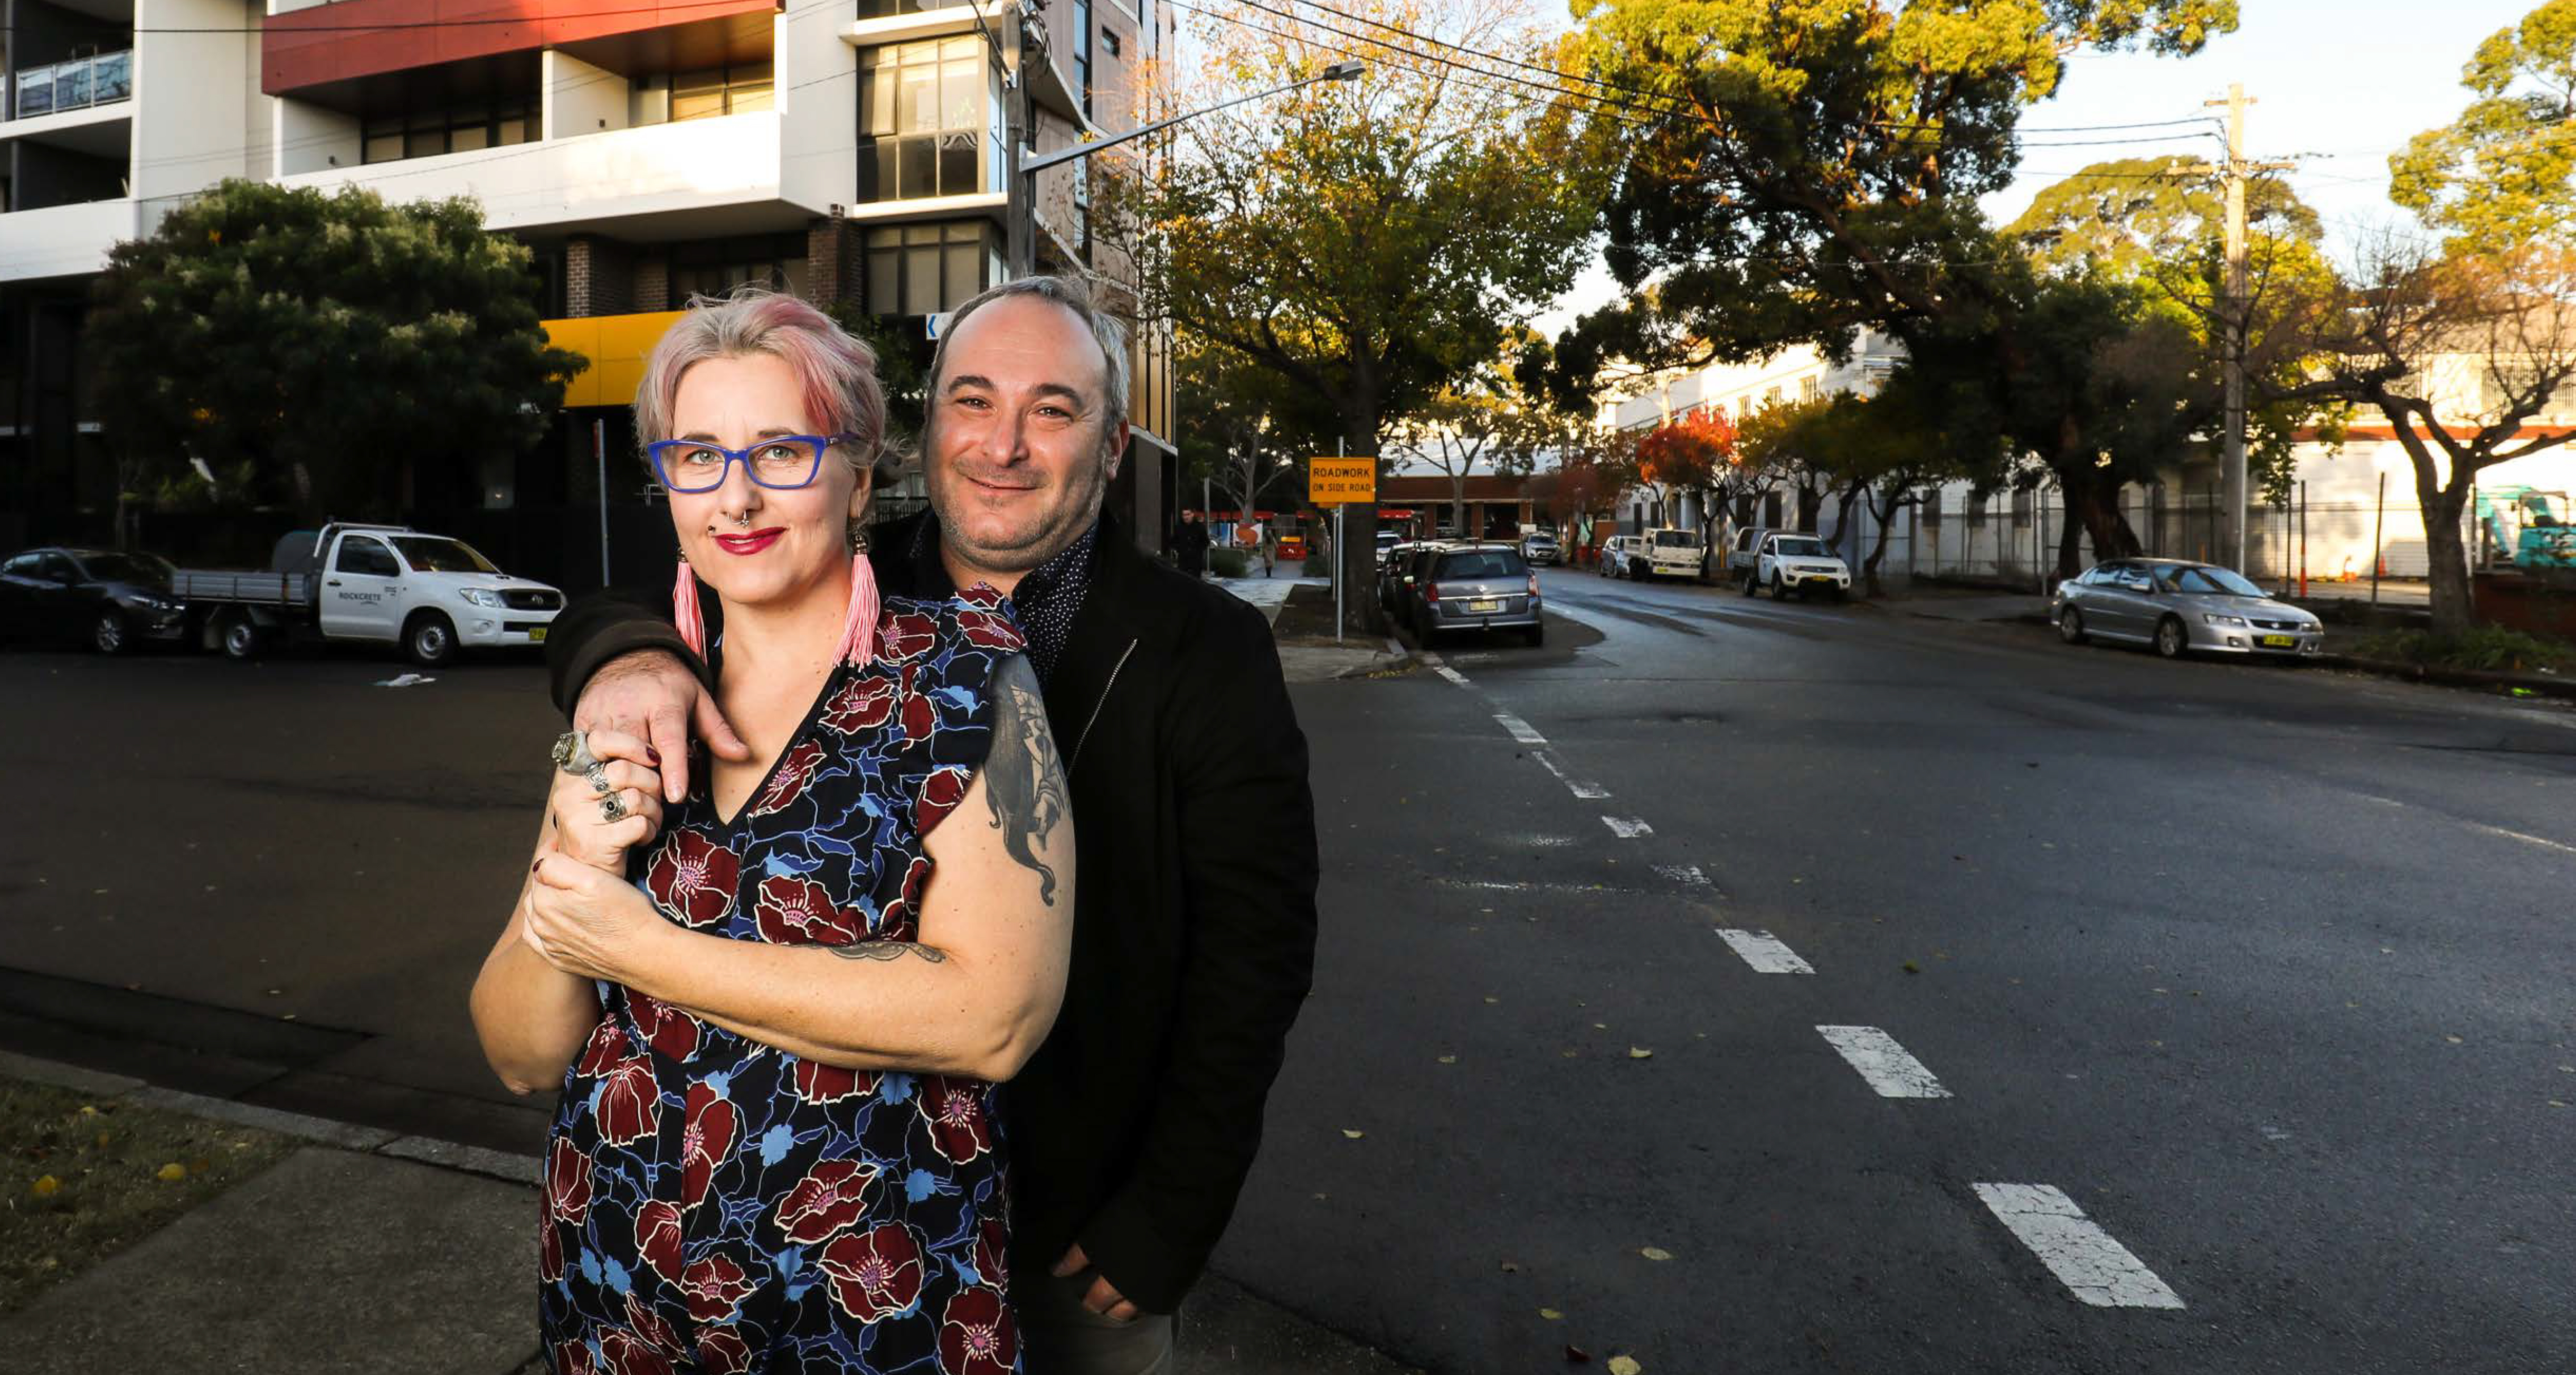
x=2179, y=608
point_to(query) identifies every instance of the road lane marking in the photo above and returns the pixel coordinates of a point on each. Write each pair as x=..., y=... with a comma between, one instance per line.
x=2086, y=1259
x=1884, y=1063
x=1627, y=827
x=1449, y=673
x=1764, y=951
x=1521, y=730
x=1683, y=873
x=2525, y=839
x=1583, y=788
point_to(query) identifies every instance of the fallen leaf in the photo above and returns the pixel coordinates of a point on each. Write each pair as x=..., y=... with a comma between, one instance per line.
x=1639, y=1053
x=1352, y=1134
x=48, y=1186
x=1575, y=1355
x=171, y=1173
x=1624, y=1365
x=1656, y=1253
x=2454, y=1040
x=1493, y=1000
x=88, y=1111
x=1600, y=1026
x=1550, y=1314
x=1912, y=968
x=1511, y=1267
x=1570, y=1054
x=1448, y=1059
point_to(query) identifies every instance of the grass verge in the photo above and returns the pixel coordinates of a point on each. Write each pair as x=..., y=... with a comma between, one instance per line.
x=2485, y=649
x=83, y=1177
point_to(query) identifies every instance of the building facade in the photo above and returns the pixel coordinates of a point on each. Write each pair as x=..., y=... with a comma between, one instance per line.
x=850, y=151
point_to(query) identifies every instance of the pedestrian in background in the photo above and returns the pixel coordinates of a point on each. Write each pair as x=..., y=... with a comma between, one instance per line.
x=1135, y=1124
x=1269, y=548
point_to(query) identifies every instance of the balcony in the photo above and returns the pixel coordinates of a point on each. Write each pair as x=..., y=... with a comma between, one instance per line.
x=690, y=178
x=78, y=84
x=65, y=240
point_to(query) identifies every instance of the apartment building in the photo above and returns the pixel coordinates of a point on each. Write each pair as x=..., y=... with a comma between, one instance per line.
x=850, y=151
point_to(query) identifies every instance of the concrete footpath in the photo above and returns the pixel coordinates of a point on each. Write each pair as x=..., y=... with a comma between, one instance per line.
x=369, y=1253
x=1305, y=662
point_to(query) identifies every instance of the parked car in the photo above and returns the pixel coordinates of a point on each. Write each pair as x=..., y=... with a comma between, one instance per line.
x=389, y=584
x=1800, y=564
x=1666, y=553
x=1540, y=547
x=1394, y=574
x=99, y=597
x=1744, y=556
x=1474, y=587
x=2180, y=607
x=1619, y=556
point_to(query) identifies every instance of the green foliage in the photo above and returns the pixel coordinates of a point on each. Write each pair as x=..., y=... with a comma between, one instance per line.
x=903, y=370
x=330, y=353
x=2485, y=649
x=1243, y=428
x=1368, y=242
x=2504, y=173
x=1229, y=563
x=2130, y=217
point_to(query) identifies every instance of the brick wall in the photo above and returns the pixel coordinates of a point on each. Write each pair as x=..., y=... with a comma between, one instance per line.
x=599, y=277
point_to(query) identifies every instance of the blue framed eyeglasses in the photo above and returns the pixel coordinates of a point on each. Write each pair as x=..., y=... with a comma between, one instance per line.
x=780, y=463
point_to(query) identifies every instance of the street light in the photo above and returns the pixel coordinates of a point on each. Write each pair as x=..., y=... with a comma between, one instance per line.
x=1021, y=206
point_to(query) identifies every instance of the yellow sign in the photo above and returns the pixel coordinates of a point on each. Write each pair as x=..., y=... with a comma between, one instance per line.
x=1341, y=481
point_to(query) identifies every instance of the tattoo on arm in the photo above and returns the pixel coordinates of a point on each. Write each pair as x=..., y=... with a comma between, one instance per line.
x=884, y=951
x=1023, y=780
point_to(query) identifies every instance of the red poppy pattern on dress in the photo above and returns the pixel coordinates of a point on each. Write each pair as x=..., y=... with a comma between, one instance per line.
x=712, y=1204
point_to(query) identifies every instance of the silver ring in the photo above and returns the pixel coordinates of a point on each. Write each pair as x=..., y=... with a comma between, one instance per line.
x=612, y=808
x=572, y=753
x=598, y=776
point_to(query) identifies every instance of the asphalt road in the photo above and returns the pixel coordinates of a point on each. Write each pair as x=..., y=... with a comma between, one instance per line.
x=2267, y=970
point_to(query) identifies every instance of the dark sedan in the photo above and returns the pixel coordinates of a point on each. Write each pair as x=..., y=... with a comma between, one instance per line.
x=99, y=597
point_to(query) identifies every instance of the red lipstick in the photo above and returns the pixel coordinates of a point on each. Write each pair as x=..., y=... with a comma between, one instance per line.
x=750, y=542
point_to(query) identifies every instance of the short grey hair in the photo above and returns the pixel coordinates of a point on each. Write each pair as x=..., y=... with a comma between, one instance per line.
x=1072, y=293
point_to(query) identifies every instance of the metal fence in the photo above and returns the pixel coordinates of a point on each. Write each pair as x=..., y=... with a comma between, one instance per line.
x=73, y=85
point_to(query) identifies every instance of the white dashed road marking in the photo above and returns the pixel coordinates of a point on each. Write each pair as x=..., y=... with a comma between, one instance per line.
x=1521, y=730
x=1883, y=1062
x=1764, y=952
x=2525, y=839
x=1683, y=873
x=1583, y=788
x=2084, y=1258
x=1627, y=827
x=1449, y=673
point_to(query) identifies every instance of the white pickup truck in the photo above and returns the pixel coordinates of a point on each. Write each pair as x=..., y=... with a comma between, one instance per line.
x=389, y=584
x=1667, y=553
x=1798, y=563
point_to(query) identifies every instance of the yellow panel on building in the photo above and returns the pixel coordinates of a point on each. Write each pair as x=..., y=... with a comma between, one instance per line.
x=615, y=346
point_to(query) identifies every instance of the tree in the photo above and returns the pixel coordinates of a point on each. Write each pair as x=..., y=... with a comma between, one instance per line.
x=2504, y=173
x=1691, y=454
x=1369, y=241
x=2129, y=219
x=357, y=357
x=1240, y=428
x=1796, y=170
x=1481, y=416
x=2501, y=327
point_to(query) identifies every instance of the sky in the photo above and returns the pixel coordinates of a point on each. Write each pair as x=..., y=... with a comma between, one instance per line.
x=2341, y=84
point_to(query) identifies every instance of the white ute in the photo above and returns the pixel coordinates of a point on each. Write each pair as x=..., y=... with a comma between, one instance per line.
x=389, y=584
x=1668, y=553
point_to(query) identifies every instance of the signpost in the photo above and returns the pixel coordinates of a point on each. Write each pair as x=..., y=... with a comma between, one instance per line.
x=1340, y=482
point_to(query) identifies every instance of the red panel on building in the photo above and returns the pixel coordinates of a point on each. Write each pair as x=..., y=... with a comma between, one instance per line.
x=354, y=38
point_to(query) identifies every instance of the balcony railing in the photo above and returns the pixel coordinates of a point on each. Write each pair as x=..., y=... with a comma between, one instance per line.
x=74, y=85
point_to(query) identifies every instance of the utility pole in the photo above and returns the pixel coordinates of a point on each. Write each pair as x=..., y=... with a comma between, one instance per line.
x=2233, y=325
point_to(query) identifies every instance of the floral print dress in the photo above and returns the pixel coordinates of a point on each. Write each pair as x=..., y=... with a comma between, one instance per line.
x=716, y=1204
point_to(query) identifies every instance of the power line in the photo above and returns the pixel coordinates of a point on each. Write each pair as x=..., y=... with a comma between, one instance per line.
x=403, y=25
x=1555, y=91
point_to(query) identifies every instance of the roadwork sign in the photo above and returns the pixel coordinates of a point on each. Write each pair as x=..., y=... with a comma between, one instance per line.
x=1341, y=481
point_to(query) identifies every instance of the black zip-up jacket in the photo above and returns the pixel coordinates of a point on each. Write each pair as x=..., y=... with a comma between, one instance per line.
x=1194, y=905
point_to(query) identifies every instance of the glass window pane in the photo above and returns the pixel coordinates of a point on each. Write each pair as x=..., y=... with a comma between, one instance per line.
x=421, y=143
x=918, y=173
x=697, y=104
x=511, y=130
x=72, y=85
x=917, y=109
x=115, y=76
x=961, y=265
x=956, y=164
x=970, y=48
x=885, y=296
x=960, y=94
x=793, y=276
x=748, y=97
x=920, y=280
x=384, y=147
x=876, y=102
x=467, y=137
x=921, y=233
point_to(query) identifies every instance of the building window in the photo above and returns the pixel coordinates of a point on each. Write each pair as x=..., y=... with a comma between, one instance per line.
x=1109, y=41
x=1976, y=509
x=930, y=113
x=2021, y=504
x=1808, y=388
x=428, y=133
x=716, y=267
x=738, y=89
x=1931, y=506
x=922, y=269
x=1082, y=52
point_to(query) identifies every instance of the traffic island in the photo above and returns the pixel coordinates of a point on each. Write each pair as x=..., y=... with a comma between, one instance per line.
x=1308, y=650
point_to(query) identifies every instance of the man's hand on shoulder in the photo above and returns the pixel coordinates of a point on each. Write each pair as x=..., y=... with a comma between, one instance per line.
x=650, y=694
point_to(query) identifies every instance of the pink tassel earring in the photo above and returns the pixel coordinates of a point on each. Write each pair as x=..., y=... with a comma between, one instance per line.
x=685, y=611
x=859, y=631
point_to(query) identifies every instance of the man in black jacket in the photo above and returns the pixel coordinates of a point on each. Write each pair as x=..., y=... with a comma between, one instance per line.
x=1194, y=917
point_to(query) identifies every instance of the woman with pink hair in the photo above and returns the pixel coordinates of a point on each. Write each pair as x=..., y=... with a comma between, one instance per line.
x=777, y=1008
